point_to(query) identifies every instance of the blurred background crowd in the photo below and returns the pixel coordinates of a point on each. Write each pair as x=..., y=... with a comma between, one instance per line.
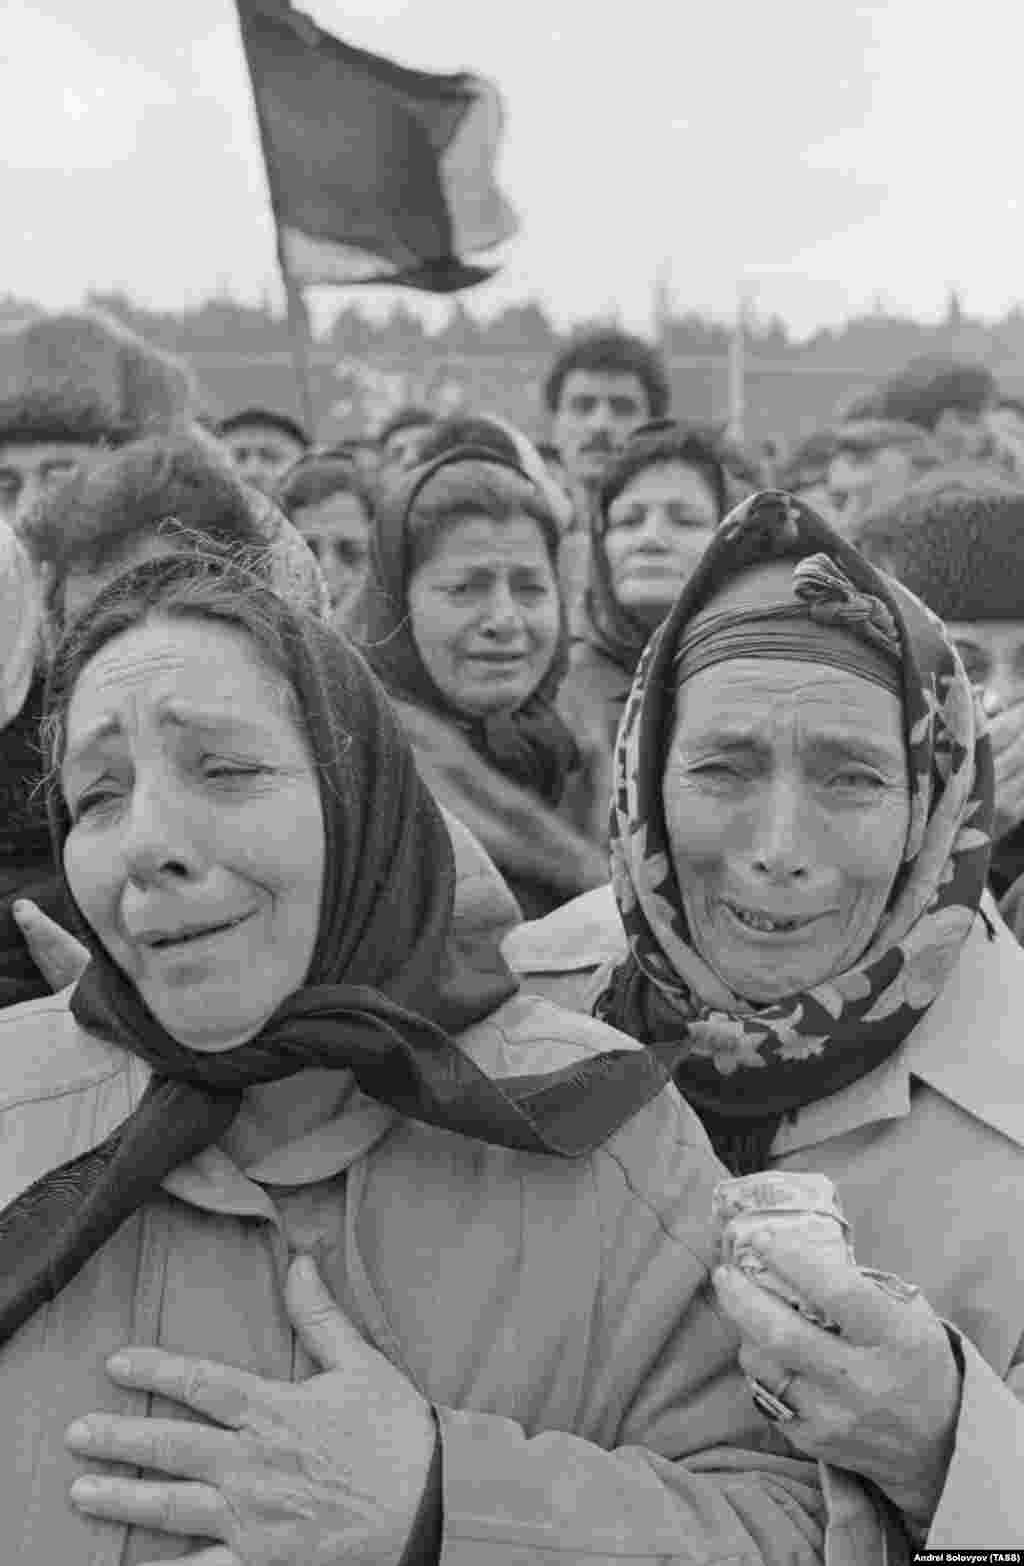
x=506, y=607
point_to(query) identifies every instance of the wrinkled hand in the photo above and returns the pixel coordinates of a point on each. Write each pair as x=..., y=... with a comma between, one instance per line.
x=60, y=956
x=1006, y=732
x=882, y=1398
x=330, y=1469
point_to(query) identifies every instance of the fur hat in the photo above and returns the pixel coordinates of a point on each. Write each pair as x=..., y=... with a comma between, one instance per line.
x=956, y=539
x=82, y=376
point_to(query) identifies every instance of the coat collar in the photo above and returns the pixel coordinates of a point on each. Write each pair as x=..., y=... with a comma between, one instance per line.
x=967, y=1046
x=579, y=936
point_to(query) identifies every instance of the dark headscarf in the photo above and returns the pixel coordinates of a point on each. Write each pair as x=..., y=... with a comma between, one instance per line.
x=531, y=745
x=386, y=988
x=609, y=626
x=744, y=1068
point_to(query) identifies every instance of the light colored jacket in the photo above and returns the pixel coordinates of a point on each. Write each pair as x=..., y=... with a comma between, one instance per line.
x=927, y=1153
x=557, y=1313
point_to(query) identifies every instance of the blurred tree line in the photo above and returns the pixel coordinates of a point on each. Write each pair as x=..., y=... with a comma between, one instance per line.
x=241, y=353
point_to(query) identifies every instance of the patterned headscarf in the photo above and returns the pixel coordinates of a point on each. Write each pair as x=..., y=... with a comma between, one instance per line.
x=531, y=745
x=744, y=1068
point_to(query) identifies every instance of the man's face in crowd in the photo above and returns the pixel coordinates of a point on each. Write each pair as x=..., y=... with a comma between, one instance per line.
x=859, y=480
x=992, y=652
x=596, y=414
x=28, y=470
x=993, y=656
x=964, y=436
x=1007, y=426
x=261, y=453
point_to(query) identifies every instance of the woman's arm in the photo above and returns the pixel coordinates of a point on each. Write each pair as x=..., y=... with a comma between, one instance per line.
x=982, y=1500
x=683, y=1468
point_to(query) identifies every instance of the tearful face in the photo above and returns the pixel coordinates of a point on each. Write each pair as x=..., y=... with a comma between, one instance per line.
x=787, y=804
x=196, y=849
x=485, y=613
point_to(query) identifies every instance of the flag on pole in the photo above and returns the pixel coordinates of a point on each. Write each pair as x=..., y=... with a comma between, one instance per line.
x=377, y=173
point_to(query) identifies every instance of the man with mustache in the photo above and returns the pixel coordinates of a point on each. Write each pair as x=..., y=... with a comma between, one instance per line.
x=601, y=387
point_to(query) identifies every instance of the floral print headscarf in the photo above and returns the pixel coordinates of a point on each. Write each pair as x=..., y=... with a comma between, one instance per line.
x=744, y=1068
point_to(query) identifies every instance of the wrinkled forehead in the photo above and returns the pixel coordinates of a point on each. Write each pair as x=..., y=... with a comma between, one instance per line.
x=198, y=671
x=774, y=705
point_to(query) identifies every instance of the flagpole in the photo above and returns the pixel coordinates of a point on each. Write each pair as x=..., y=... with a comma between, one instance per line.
x=300, y=333
x=738, y=367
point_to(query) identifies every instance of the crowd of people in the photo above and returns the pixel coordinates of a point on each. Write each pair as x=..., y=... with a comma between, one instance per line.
x=432, y=864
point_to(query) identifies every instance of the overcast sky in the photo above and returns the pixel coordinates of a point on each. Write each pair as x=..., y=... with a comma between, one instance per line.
x=822, y=152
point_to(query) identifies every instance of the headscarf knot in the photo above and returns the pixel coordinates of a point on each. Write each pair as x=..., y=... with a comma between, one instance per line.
x=832, y=599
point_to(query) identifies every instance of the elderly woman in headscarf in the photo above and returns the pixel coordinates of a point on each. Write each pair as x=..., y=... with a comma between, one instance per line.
x=466, y=628
x=656, y=509
x=318, y=1243
x=801, y=831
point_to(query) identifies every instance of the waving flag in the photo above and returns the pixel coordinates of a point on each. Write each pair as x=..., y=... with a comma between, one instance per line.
x=377, y=173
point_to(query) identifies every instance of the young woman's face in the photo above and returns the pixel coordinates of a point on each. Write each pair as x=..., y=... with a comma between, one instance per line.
x=658, y=528
x=196, y=850
x=485, y=613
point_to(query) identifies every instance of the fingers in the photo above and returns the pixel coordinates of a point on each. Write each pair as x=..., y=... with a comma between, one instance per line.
x=220, y=1392
x=754, y=1362
x=325, y=1330
x=778, y=1331
x=194, y=1509
x=172, y=1446
x=59, y=956
x=866, y=1315
x=782, y=1335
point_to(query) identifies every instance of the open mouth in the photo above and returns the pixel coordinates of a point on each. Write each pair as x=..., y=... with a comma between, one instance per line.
x=199, y=933
x=752, y=920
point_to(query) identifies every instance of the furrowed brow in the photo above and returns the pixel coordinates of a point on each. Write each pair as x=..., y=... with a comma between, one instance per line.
x=725, y=740
x=854, y=748
x=207, y=721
